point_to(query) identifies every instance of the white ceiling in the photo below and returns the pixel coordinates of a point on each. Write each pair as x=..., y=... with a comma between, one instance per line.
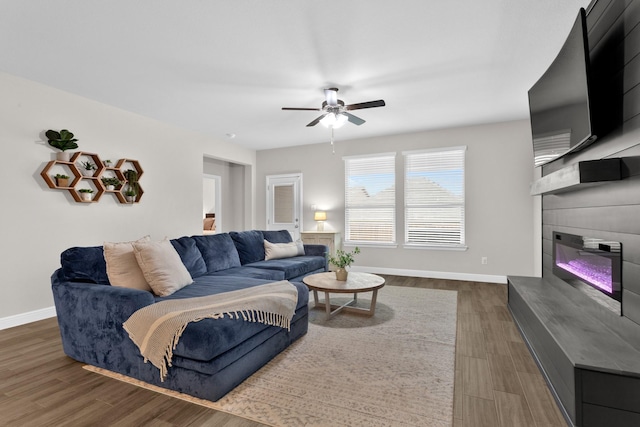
x=227, y=67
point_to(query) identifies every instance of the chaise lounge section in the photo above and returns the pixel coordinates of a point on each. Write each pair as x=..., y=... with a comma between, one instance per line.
x=212, y=356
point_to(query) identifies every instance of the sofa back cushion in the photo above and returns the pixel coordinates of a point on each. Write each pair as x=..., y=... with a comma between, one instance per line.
x=85, y=264
x=122, y=267
x=250, y=245
x=277, y=236
x=161, y=266
x=218, y=251
x=190, y=255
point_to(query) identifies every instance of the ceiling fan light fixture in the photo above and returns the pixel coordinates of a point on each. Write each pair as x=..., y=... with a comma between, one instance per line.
x=333, y=120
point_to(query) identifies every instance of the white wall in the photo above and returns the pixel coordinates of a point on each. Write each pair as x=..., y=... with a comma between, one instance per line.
x=499, y=210
x=38, y=223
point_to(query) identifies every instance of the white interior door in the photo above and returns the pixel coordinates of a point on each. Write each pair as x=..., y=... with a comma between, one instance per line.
x=284, y=203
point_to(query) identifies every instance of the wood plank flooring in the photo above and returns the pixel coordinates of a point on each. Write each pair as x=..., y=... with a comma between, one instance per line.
x=497, y=383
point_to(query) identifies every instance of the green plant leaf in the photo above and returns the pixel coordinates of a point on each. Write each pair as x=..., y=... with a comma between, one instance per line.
x=66, y=135
x=52, y=134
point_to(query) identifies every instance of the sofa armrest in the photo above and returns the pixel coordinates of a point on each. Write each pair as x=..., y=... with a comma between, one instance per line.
x=318, y=250
x=90, y=316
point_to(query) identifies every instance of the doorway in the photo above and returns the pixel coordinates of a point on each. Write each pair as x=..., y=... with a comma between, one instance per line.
x=284, y=203
x=211, y=203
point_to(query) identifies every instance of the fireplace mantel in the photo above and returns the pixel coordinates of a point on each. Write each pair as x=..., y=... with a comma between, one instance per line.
x=578, y=175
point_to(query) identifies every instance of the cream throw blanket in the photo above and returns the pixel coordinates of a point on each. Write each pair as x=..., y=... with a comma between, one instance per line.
x=156, y=328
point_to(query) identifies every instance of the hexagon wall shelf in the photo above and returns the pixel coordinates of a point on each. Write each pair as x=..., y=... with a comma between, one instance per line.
x=78, y=180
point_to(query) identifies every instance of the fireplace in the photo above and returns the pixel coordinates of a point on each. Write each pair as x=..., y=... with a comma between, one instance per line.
x=591, y=265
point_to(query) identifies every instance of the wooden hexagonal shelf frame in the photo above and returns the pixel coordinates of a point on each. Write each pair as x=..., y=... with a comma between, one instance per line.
x=96, y=161
x=50, y=180
x=94, y=181
x=121, y=194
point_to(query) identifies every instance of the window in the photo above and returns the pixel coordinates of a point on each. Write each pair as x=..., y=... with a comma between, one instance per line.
x=434, y=197
x=370, y=199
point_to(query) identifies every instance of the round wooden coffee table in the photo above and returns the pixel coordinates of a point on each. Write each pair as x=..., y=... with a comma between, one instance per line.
x=356, y=282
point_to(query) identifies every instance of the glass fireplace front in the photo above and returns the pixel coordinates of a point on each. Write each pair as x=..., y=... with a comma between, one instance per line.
x=595, y=262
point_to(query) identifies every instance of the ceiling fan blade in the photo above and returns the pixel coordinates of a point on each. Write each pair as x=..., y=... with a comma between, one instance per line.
x=317, y=120
x=353, y=119
x=301, y=109
x=361, y=105
x=332, y=96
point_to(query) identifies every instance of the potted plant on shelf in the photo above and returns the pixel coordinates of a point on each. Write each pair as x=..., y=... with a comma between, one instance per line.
x=85, y=194
x=132, y=185
x=107, y=163
x=342, y=260
x=63, y=141
x=130, y=195
x=87, y=168
x=111, y=183
x=62, y=180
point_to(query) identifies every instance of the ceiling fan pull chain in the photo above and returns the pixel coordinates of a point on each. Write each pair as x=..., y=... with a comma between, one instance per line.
x=333, y=147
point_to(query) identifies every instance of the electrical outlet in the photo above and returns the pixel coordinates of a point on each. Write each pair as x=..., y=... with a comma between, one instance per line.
x=484, y=260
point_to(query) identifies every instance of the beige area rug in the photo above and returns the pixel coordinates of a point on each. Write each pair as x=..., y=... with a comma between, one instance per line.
x=393, y=369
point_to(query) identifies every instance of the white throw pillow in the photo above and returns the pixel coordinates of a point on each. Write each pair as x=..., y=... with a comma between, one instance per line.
x=161, y=266
x=122, y=267
x=282, y=250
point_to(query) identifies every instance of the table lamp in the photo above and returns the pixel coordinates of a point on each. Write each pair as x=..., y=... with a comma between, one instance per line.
x=321, y=217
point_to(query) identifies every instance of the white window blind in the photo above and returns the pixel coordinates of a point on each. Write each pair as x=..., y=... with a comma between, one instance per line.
x=434, y=197
x=370, y=199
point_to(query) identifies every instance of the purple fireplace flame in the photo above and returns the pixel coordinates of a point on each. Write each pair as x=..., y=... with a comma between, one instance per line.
x=595, y=262
x=598, y=274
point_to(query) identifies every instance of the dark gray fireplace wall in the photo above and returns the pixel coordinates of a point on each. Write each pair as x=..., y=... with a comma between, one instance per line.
x=610, y=210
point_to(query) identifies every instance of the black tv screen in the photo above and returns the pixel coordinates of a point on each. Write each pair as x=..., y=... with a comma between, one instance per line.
x=559, y=102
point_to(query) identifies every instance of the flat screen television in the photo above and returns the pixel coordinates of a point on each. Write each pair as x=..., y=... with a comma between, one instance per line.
x=560, y=102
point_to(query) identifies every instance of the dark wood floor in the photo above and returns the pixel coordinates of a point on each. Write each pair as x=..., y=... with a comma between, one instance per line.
x=497, y=384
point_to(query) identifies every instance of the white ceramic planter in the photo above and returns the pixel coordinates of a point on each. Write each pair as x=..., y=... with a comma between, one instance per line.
x=63, y=156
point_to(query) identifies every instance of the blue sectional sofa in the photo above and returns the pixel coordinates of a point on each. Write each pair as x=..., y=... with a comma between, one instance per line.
x=213, y=355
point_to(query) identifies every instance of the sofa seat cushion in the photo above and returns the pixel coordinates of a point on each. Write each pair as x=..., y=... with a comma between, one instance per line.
x=218, y=251
x=258, y=340
x=292, y=267
x=255, y=273
x=208, y=338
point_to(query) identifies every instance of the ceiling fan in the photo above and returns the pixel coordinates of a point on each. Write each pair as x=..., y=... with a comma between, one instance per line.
x=335, y=113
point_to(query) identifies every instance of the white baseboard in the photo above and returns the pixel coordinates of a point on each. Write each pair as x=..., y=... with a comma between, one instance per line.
x=24, y=318
x=433, y=274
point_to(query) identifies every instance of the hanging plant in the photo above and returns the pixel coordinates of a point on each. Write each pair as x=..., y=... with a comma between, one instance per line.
x=132, y=183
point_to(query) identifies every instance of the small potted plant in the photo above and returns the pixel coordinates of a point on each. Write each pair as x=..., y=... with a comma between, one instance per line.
x=87, y=168
x=111, y=183
x=132, y=185
x=342, y=260
x=107, y=163
x=85, y=194
x=62, y=180
x=130, y=195
x=63, y=141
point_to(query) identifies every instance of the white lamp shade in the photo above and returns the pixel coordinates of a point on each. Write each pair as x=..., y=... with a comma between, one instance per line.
x=333, y=120
x=320, y=216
